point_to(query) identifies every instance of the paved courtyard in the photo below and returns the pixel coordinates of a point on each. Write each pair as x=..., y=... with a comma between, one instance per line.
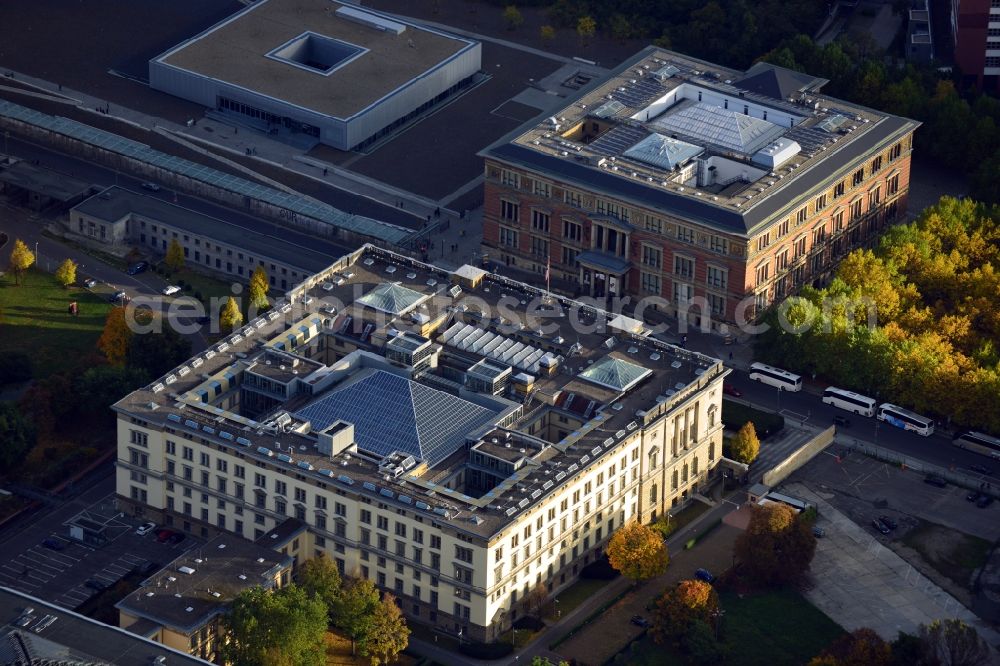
x=859, y=582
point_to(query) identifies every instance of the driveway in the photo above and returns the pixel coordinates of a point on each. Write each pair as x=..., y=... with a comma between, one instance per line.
x=858, y=582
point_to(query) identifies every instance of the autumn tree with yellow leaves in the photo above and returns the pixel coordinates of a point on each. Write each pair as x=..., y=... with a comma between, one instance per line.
x=637, y=552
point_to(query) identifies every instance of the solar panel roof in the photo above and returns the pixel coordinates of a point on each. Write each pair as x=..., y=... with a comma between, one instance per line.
x=391, y=413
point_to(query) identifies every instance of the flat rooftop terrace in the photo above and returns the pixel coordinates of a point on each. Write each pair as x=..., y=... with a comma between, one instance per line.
x=605, y=372
x=339, y=69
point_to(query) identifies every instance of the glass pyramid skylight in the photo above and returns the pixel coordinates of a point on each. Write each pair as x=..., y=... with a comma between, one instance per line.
x=392, y=298
x=662, y=151
x=615, y=373
x=721, y=127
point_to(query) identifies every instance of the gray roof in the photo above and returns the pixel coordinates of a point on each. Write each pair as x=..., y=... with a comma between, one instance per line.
x=74, y=639
x=392, y=413
x=615, y=373
x=50, y=183
x=777, y=82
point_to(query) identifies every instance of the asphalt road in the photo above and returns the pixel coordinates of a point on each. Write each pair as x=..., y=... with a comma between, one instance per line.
x=936, y=449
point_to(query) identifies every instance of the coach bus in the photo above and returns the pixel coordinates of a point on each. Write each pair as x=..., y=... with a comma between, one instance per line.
x=782, y=379
x=905, y=419
x=849, y=400
x=979, y=443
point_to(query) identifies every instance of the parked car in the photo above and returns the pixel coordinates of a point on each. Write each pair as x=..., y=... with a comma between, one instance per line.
x=135, y=269
x=176, y=537
x=640, y=621
x=705, y=575
x=90, y=283
x=145, y=529
x=973, y=496
x=26, y=618
x=842, y=421
x=819, y=532
x=152, y=187
x=888, y=522
x=54, y=544
x=729, y=389
x=880, y=527
x=118, y=296
x=95, y=584
x=984, y=501
x=145, y=567
x=170, y=290
x=163, y=534
x=981, y=469
x=936, y=480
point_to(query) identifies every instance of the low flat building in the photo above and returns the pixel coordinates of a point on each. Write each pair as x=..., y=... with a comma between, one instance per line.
x=182, y=605
x=457, y=438
x=342, y=74
x=33, y=631
x=121, y=219
x=39, y=188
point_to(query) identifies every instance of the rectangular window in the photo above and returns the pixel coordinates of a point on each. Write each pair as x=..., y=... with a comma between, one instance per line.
x=685, y=234
x=838, y=190
x=653, y=224
x=876, y=164
x=569, y=256
x=820, y=202
x=539, y=220
x=801, y=215
x=573, y=198
x=717, y=303
x=541, y=188
x=509, y=210
x=781, y=260
x=874, y=198
x=819, y=236
x=572, y=231
x=683, y=266
x=539, y=247
x=510, y=179
x=717, y=277
x=650, y=283
x=613, y=209
x=763, y=272
x=781, y=229
x=856, y=210
x=683, y=293
x=508, y=237
x=652, y=256
x=763, y=241
x=897, y=150
x=838, y=221
x=858, y=177
x=719, y=244
x=892, y=185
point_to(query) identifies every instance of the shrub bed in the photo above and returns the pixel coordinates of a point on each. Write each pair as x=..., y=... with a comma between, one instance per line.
x=767, y=424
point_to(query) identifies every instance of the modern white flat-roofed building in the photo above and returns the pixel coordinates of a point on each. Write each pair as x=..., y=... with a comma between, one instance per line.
x=343, y=74
x=457, y=438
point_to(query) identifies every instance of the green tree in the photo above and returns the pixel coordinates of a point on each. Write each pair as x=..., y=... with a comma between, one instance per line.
x=66, y=273
x=637, y=552
x=586, y=28
x=387, y=634
x=745, y=446
x=677, y=609
x=21, y=259
x=258, y=289
x=356, y=606
x=101, y=386
x=547, y=34
x=175, y=256
x=320, y=578
x=701, y=645
x=954, y=643
x=777, y=546
x=512, y=17
x=268, y=627
x=230, y=317
x=158, y=353
x=535, y=599
x=116, y=337
x=17, y=436
x=545, y=661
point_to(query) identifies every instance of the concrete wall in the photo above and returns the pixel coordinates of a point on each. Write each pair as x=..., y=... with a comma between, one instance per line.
x=798, y=458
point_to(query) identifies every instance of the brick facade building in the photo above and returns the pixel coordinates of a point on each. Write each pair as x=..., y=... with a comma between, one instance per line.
x=716, y=191
x=975, y=26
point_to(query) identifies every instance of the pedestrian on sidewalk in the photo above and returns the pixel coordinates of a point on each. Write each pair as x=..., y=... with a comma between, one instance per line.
x=730, y=356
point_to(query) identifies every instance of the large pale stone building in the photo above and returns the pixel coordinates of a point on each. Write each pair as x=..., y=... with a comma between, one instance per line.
x=458, y=438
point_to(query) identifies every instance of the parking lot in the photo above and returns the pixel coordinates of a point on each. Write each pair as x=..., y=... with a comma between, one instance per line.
x=52, y=566
x=864, y=489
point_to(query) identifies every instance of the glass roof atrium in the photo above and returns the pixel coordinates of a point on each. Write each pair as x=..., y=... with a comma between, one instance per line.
x=392, y=298
x=392, y=413
x=720, y=127
x=615, y=373
x=663, y=151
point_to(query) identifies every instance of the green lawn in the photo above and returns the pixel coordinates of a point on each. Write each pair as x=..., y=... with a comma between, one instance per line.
x=771, y=629
x=952, y=553
x=208, y=287
x=576, y=594
x=34, y=318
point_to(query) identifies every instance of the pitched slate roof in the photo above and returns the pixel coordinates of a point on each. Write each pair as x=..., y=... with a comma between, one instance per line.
x=777, y=82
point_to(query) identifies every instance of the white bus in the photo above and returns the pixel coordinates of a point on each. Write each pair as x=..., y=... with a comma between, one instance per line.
x=905, y=419
x=849, y=400
x=783, y=379
x=979, y=443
